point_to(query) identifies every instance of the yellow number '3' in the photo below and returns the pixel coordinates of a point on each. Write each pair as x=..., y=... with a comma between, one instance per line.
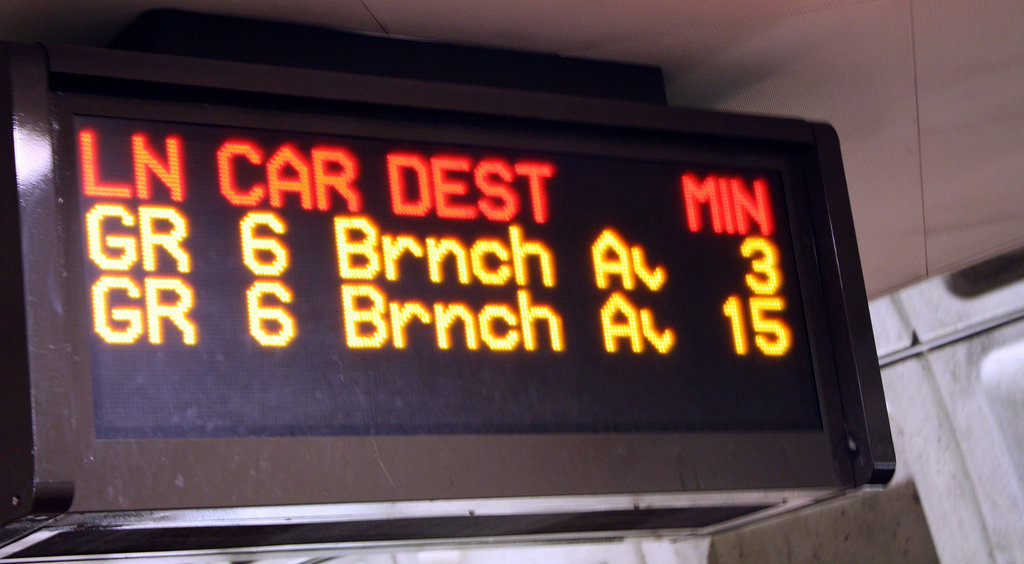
x=765, y=278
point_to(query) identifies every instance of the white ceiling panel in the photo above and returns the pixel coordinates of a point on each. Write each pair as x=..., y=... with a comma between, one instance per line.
x=851, y=66
x=572, y=25
x=971, y=89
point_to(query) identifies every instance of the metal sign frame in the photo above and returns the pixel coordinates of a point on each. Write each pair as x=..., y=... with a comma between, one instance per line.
x=57, y=466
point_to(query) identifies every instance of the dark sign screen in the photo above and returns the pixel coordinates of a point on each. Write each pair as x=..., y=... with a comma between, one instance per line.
x=250, y=282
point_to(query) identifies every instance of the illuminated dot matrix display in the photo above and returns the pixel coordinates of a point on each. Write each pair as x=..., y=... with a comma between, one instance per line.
x=270, y=283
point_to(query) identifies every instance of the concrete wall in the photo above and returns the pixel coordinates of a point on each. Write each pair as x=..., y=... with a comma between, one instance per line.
x=952, y=350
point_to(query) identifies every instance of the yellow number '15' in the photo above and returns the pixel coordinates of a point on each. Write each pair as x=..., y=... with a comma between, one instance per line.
x=771, y=335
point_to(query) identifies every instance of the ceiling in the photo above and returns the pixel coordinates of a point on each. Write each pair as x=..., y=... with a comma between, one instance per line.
x=927, y=95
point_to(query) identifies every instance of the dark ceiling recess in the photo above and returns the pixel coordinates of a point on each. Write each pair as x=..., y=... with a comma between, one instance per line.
x=189, y=34
x=987, y=276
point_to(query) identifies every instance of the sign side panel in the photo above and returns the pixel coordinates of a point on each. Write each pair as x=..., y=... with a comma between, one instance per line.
x=872, y=452
x=26, y=169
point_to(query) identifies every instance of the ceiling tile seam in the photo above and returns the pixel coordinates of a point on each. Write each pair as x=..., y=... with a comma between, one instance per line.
x=917, y=121
x=376, y=20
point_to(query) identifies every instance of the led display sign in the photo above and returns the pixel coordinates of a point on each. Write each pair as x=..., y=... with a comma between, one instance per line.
x=247, y=282
x=289, y=294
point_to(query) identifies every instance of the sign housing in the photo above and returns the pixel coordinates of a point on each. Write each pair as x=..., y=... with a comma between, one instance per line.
x=404, y=291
